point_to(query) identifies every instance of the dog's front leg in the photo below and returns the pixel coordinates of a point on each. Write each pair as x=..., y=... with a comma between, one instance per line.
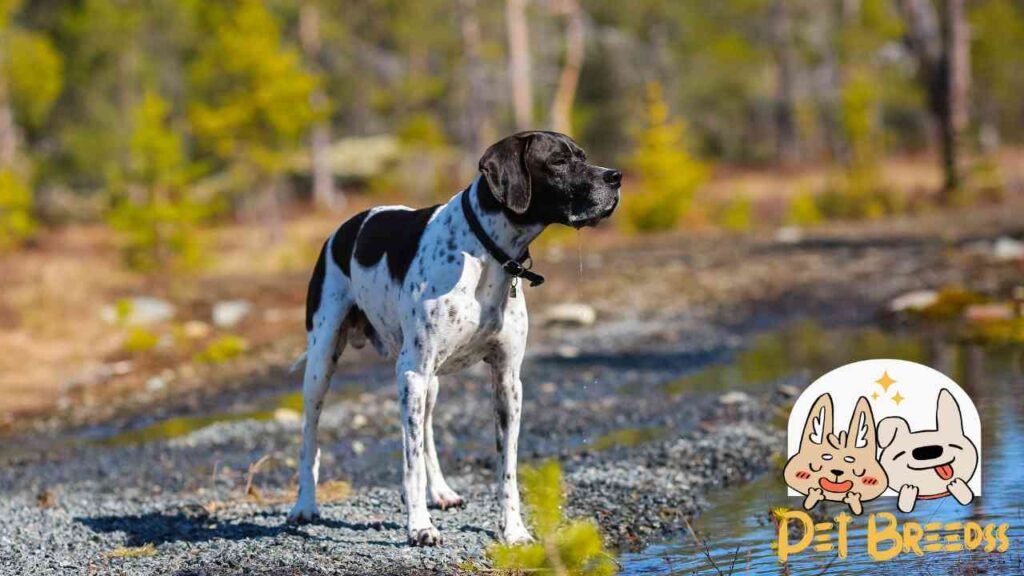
x=413, y=387
x=508, y=403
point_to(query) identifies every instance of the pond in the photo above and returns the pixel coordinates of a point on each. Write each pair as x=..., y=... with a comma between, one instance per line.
x=738, y=530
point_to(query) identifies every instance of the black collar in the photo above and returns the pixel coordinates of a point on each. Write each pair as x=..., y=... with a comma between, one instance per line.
x=516, y=267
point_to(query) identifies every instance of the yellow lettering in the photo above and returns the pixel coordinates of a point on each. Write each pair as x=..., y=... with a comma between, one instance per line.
x=990, y=537
x=785, y=549
x=876, y=537
x=972, y=535
x=912, y=534
x=1004, y=542
x=841, y=522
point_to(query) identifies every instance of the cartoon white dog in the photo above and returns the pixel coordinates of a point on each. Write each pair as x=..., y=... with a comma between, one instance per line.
x=929, y=464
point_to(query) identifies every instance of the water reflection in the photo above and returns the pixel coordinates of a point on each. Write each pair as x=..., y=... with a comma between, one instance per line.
x=738, y=526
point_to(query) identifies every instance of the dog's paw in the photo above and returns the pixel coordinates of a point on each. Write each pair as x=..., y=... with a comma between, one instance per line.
x=516, y=537
x=852, y=499
x=961, y=491
x=907, y=498
x=446, y=499
x=303, y=513
x=428, y=536
x=814, y=495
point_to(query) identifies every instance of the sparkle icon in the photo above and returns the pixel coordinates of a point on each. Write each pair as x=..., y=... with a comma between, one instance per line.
x=875, y=396
x=885, y=381
x=897, y=398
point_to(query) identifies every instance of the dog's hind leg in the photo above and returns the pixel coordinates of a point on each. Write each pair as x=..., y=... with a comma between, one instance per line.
x=441, y=495
x=325, y=342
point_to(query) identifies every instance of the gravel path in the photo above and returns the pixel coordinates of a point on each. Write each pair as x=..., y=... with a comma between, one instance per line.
x=67, y=508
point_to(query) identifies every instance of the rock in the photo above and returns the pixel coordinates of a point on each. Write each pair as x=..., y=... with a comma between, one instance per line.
x=788, y=391
x=567, y=351
x=915, y=300
x=156, y=384
x=138, y=311
x=286, y=416
x=358, y=421
x=789, y=235
x=989, y=312
x=1006, y=249
x=570, y=314
x=195, y=329
x=229, y=313
x=733, y=398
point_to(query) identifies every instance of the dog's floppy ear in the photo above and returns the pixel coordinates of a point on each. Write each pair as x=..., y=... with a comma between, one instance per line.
x=889, y=428
x=819, y=421
x=504, y=166
x=947, y=413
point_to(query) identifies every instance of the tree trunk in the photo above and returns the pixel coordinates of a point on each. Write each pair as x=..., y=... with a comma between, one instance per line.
x=942, y=51
x=957, y=44
x=324, y=194
x=8, y=131
x=786, y=136
x=476, y=131
x=568, y=80
x=519, y=63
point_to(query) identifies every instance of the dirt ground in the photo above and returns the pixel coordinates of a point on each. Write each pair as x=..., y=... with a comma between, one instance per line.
x=63, y=363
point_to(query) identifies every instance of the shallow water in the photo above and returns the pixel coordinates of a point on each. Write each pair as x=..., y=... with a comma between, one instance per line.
x=738, y=528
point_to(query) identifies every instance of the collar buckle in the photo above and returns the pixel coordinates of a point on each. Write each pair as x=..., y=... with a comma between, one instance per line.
x=514, y=268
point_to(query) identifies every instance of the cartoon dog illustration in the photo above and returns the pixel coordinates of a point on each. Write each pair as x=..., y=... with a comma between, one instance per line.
x=929, y=464
x=841, y=468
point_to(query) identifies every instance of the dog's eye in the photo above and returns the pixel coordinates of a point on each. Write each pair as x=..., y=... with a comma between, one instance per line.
x=957, y=446
x=862, y=472
x=811, y=466
x=826, y=456
x=559, y=161
x=849, y=459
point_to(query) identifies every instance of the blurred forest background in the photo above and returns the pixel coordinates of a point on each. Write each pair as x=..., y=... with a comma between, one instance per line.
x=157, y=116
x=142, y=142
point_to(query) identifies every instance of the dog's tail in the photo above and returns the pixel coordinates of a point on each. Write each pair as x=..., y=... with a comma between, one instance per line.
x=299, y=362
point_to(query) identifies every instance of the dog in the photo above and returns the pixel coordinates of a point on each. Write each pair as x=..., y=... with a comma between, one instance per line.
x=436, y=290
x=929, y=464
x=841, y=468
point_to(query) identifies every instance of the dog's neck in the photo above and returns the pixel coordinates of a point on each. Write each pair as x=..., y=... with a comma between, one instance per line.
x=512, y=237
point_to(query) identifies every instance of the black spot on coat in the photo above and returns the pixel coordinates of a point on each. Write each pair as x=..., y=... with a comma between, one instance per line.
x=316, y=287
x=345, y=242
x=395, y=233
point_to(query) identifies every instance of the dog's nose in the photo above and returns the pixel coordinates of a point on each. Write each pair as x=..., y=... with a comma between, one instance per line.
x=927, y=452
x=613, y=177
x=837, y=472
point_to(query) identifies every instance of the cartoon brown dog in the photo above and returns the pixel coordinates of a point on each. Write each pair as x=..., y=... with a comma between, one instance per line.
x=929, y=464
x=841, y=468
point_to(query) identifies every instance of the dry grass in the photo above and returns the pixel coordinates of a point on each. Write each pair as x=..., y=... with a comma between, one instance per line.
x=132, y=551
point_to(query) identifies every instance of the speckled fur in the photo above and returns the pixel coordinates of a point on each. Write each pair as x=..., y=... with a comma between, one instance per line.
x=446, y=308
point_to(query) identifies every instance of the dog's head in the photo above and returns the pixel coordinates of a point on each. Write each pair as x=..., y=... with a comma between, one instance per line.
x=841, y=463
x=544, y=178
x=928, y=459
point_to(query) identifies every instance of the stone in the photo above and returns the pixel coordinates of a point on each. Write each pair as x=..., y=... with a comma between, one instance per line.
x=914, y=300
x=230, y=313
x=789, y=235
x=733, y=398
x=570, y=314
x=1006, y=249
x=138, y=311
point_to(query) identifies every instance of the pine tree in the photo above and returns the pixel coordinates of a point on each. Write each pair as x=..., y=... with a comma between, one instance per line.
x=667, y=175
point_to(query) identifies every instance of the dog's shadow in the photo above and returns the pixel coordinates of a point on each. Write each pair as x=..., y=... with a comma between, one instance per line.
x=186, y=525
